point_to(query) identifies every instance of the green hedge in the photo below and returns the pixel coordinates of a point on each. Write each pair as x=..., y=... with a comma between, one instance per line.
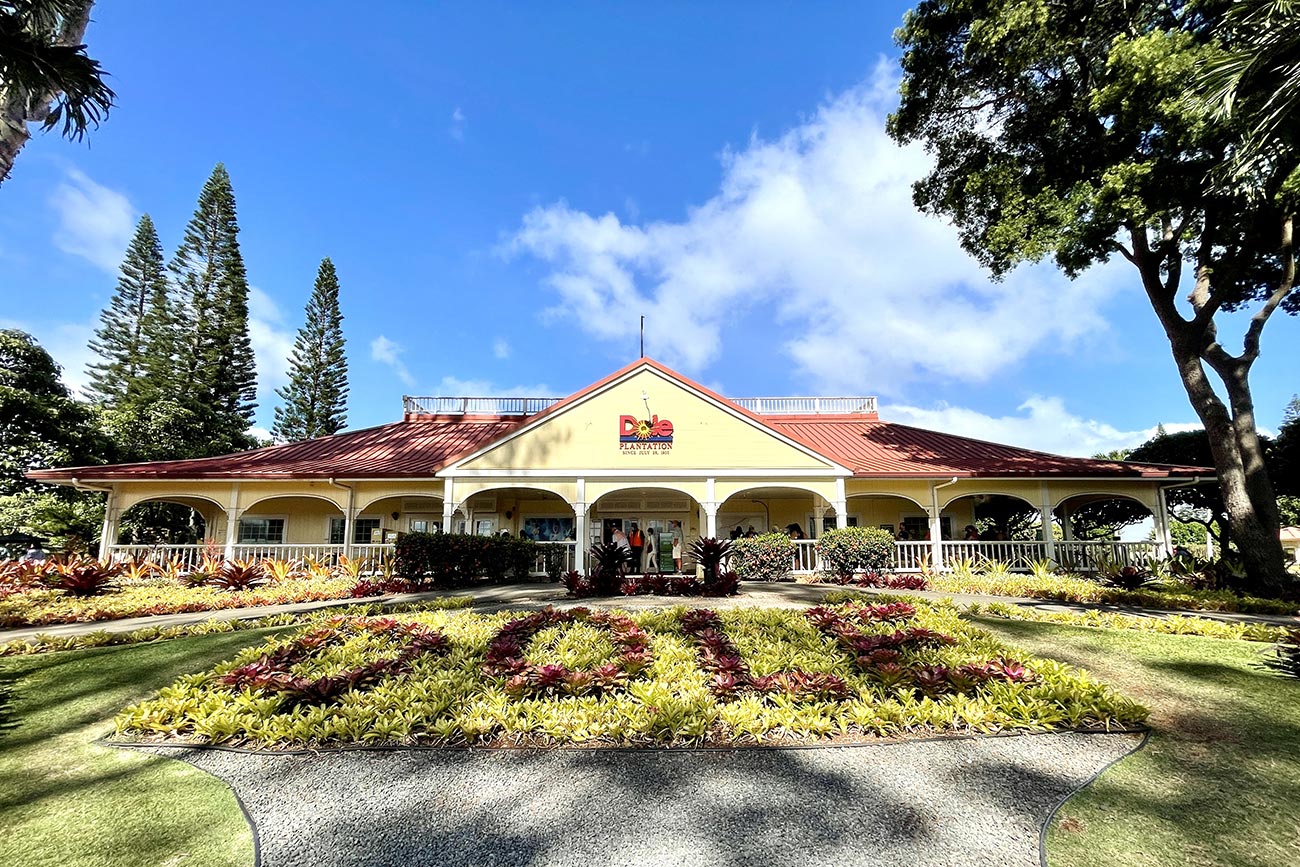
x=445, y=559
x=856, y=549
x=768, y=557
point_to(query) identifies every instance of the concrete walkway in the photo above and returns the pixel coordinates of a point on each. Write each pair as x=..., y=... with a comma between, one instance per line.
x=975, y=801
x=531, y=596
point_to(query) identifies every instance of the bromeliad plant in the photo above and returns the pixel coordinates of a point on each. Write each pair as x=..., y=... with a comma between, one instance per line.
x=731, y=675
x=238, y=575
x=273, y=673
x=84, y=577
x=506, y=655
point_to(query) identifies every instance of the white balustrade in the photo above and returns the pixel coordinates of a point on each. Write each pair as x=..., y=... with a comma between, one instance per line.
x=912, y=556
x=805, y=556
x=186, y=556
x=567, y=557
x=806, y=405
x=477, y=405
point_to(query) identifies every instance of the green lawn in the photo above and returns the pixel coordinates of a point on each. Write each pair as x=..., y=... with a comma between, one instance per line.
x=67, y=801
x=1218, y=782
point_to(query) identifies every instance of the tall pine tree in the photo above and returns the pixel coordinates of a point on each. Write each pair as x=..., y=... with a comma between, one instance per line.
x=131, y=338
x=315, y=400
x=215, y=370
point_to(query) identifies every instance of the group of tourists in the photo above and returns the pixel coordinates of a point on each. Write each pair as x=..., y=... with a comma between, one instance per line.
x=643, y=549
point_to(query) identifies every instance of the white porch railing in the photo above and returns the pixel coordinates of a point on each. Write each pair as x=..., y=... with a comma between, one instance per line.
x=1071, y=556
x=566, y=553
x=188, y=556
x=191, y=556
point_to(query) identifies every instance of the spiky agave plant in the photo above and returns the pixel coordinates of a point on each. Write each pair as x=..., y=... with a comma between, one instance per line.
x=236, y=575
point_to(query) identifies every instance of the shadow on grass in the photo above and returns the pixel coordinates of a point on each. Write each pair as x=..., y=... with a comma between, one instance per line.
x=69, y=691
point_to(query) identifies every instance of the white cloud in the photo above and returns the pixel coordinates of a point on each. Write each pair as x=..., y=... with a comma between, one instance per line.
x=501, y=348
x=458, y=124
x=818, y=229
x=389, y=352
x=272, y=343
x=95, y=223
x=451, y=386
x=1041, y=423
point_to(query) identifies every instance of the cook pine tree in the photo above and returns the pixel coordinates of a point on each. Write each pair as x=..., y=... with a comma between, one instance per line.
x=133, y=330
x=315, y=400
x=215, y=373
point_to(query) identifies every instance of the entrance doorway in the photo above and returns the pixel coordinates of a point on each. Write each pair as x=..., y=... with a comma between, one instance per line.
x=663, y=531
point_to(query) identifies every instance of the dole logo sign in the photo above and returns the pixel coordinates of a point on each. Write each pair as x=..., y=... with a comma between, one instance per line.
x=654, y=434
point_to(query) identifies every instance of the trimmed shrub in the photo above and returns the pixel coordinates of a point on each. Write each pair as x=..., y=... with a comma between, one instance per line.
x=768, y=557
x=444, y=559
x=856, y=549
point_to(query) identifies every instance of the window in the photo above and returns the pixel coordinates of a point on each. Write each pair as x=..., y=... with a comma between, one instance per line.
x=360, y=531
x=918, y=528
x=261, y=531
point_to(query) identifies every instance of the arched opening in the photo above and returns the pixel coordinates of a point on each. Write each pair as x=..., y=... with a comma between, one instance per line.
x=665, y=520
x=797, y=511
x=168, y=521
x=529, y=513
x=1112, y=527
x=901, y=516
x=401, y=513
x=993, y=517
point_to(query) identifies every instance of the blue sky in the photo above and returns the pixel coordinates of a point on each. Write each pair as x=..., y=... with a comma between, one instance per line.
x=505, y=189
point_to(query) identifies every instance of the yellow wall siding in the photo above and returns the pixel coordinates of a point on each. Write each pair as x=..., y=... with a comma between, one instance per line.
x=704, y=436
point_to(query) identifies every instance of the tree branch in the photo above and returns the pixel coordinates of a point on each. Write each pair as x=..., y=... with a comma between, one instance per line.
x=1256, y=327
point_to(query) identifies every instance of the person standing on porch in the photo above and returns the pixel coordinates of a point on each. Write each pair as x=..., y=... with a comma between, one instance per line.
x=650, y=564
x=636, y=541
x=677, y=553
x=619, y=538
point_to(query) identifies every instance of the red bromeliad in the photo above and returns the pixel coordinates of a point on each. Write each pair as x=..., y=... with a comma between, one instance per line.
x=505, y=655
x=273, y=671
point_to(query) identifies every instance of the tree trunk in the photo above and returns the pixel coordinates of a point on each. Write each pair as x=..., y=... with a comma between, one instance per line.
x=19, y=107
x=1248, y=497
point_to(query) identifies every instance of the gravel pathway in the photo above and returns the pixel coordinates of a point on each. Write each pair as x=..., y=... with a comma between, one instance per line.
x=978, y=801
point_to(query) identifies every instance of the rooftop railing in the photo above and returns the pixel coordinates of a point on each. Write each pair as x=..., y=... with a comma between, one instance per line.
x=533, y=405
x=806, y=405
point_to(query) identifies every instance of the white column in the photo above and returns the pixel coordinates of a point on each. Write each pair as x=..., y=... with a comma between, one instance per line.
x=1163, y=532
x=233, y=513
x=1045, y=511
x=710, y=508
x=1067, y=522
x=580, y=537
x=936, y=539
x=448, y=503
x=232, y=531
x=108, y=535
x=349, y=527
x=841, y=505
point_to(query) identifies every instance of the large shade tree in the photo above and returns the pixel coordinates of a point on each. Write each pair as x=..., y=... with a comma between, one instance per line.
x=46, y=77
x=1065, y=129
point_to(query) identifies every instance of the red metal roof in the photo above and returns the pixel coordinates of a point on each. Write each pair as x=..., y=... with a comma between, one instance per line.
x=421, y=445
x=880, y=449
x=401, y=449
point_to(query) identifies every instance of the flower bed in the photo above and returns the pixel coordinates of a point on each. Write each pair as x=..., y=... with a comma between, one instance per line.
x=1174, y=624
x=664, y=677
x=45, y=607
x=103, y=638
x=1070, y=588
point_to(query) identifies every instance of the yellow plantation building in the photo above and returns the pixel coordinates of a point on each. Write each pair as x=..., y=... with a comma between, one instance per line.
x=643, y=446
